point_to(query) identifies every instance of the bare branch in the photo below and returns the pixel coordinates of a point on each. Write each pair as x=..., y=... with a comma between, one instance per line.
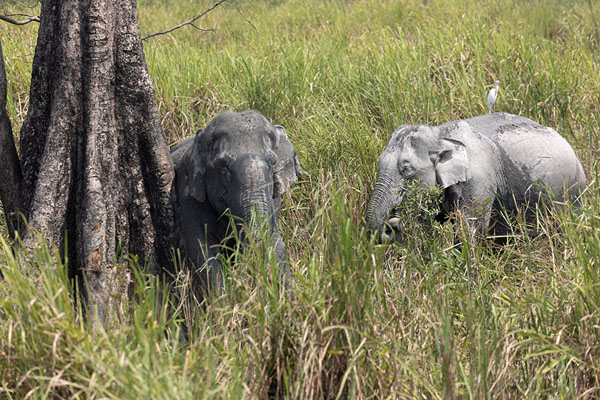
x=190, y=22
x=32, y=18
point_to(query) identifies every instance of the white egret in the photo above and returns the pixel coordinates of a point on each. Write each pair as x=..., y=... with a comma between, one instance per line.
x=492, y=96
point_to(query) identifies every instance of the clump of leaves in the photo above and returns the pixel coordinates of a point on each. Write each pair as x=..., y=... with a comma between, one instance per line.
x=420, y=208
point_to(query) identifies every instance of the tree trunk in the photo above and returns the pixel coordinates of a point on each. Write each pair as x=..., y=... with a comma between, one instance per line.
x=96, y=167
x=10, y=184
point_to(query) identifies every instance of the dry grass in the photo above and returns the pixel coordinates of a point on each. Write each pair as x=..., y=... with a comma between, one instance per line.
x=420, y=319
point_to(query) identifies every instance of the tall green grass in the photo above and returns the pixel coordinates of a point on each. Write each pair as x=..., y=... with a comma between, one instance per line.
x=421, y=319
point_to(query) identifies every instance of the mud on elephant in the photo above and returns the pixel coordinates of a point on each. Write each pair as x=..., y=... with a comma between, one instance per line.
x=489, y=166
x=237, y=166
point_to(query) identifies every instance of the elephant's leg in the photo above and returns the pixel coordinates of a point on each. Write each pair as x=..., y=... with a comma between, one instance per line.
x=468, y=213
x=200, y=234
x=476, y=217
x=450, y=203
x=285, y=276
x=207, y=280
x=204, y=264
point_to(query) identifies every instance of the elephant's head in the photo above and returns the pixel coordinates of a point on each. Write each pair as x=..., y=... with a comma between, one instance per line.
x=415, y=153
x=241, y=162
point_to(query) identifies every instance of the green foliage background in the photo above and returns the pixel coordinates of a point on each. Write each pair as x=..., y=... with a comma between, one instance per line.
x=420, y=319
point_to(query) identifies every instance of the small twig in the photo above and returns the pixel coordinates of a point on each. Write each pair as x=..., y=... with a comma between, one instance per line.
x=203, y=29
x=190, y=22
x=241, y=15
x=34, y=18
x=17, y=15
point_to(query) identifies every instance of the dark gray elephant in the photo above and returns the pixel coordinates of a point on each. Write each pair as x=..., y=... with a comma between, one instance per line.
x=238, y=165
x=488, y=166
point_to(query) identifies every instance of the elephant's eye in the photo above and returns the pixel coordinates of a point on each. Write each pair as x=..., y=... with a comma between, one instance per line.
x=406, y=170
x=225, y=173
x=271, y=158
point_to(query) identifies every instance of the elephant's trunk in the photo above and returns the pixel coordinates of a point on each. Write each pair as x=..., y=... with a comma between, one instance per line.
x=386, y=197
x=255, y=206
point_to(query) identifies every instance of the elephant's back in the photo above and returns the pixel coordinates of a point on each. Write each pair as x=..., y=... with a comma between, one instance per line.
x=179, y=151
x=539, y=151
x=494, y=125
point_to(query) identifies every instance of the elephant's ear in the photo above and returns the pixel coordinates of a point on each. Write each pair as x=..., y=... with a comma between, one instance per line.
x=287, y=167
x=452, y=163
x=197, y=187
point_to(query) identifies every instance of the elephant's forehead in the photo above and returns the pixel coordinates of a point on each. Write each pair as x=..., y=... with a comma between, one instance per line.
x=239, y=132
x=414, y=139
x=238, y=144
x=247, y=121
x=239, y=138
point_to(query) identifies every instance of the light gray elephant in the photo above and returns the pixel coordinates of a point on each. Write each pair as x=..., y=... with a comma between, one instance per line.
x=238, y=165
x=488, y=166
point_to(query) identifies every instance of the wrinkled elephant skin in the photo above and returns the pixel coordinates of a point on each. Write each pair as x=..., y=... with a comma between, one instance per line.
x=488, y=166
x=239, y=165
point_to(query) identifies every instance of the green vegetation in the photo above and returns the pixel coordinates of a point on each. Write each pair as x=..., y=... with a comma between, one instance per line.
x=421, y=319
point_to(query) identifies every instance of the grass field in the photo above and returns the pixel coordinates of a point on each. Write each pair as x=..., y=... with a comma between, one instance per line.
x=420, y=319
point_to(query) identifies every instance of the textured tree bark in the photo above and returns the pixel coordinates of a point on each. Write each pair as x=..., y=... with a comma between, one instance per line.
x=10, y=183
x=96, y=165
